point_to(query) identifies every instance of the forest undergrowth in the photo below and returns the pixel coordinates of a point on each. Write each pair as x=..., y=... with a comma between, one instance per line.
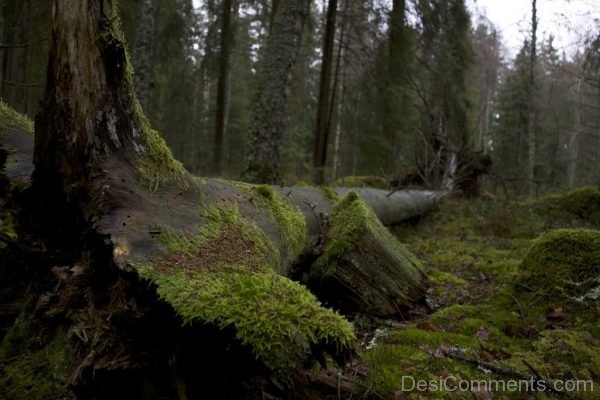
x=514, y=299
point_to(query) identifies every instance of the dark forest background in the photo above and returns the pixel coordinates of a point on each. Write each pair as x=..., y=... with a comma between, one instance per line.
x=415, y=91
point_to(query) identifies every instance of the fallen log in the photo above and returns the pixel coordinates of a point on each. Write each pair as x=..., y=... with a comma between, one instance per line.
x=135, y=226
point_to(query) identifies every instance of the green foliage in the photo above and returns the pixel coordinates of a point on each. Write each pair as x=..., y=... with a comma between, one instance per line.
x=225, y=275
x=156, y=164
x=10, y=119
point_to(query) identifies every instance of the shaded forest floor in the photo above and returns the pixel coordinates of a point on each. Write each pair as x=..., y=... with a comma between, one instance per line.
x=488, y=324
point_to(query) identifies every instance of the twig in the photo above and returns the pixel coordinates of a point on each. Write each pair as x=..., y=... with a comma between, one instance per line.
x=535, y=372
x=548, y=383
x=20, y=45
x=20, y=84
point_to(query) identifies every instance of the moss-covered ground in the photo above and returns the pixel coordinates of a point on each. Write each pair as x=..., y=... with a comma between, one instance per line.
x=513, y=295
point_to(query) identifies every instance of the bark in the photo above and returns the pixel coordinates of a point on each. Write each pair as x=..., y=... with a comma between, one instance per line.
x=531, y=120
x=222, y=85
x=143, y=50
x=269, y=115
x=323, y=106
x=2, y=50
x=121, y=224
x=574, y=137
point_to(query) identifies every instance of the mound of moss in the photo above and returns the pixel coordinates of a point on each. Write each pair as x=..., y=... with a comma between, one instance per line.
x=580, y=206
x=564, y=264
x=225, y=276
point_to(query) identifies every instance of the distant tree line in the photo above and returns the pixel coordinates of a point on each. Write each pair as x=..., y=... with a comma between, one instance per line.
x=277, y=91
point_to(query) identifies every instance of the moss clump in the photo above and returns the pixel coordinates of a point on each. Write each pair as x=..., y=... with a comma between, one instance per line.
x=280, y=320
x=563, y=262
x=10, y=119
x=156, y=164
x=225, y=275
x=362, y=181
x=33, y=367
x=576, y=208
x=265, y=191
x=330, y=195
x=289, y=219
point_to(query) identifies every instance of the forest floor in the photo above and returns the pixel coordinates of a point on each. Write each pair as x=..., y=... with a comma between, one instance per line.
x=488, y=324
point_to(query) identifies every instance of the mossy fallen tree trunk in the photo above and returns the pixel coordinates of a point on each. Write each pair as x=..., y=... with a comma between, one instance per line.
x=127, y=226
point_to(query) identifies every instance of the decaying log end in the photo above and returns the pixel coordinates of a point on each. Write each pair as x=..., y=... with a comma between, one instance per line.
x=363, y=268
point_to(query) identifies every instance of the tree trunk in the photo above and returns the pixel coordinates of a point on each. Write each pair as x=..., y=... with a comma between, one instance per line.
x=143, y=50
x=149, y=276
x=269, y=115
x=575, y=133
x=531, y=120
x=222, y=86
x=323, y=106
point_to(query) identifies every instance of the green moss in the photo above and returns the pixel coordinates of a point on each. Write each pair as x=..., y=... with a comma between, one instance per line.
x=408, y=353
x=564, y=265
x=481, y=248
x=577, y=208
x=362, y=181
x=265, y=191
x=350, y=220
x=446, y=286
x=280, y=320
x=7, y=222
x=330, y=195
x=227, y=241
x=564, y=354
x=225, y=275
x=10, y=119
x=289, y=218
x=155, y=163
x=347, y=224
x=33, y=367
